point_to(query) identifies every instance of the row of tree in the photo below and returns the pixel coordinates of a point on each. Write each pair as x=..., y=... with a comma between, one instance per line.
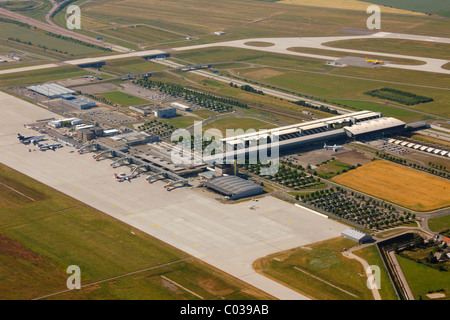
x=206, y=100
x=399, y=96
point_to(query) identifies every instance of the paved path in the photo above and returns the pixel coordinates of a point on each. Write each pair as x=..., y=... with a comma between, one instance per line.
x=368, y=270
x=60, y=30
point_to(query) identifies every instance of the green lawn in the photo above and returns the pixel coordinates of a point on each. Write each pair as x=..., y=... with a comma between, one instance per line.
x=370, y=254
x=238, y=123
x=422, y=279
x=39, y=239
x=439, y=224
x=332, y=169
x=323, y=260
x=405, y=114
x=41, y=76
x=123, y=99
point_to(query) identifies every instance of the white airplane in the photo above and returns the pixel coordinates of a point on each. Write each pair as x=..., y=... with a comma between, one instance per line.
x=252, y=207
x=122, y=177
x=49, y=146
x=32, y=139
x=335, y=147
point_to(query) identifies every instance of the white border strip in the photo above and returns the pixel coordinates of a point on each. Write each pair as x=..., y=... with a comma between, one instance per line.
x=315, y=212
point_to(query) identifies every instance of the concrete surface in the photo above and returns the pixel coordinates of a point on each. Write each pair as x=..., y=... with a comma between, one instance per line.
x=229, y=237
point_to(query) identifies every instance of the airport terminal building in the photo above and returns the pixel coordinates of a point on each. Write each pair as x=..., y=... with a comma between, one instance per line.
x=355, y=126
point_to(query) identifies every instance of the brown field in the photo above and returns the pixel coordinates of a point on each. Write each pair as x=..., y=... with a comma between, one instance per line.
x=407, y=187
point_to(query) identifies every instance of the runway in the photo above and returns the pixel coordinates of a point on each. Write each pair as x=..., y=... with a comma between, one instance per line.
x=229, y=237
x=281, y=46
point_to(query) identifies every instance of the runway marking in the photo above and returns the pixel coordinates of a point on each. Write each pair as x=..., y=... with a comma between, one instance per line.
x=133, y=215
x=143, y=219
x=18, y=192
x=178, y=285
x=117, y=277
x=175, y=235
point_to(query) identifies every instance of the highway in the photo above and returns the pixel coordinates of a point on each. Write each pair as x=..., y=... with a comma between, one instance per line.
x=59, y=30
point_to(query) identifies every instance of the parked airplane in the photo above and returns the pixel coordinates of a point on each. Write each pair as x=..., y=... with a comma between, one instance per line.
x=335, y=147
x=122, y=177
x=49, y=146
x=374, y=61
x=32, y=139
x=252, y=207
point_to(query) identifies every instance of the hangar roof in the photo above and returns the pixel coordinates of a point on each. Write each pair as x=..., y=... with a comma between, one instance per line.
x=232, y=185
x=374, y=125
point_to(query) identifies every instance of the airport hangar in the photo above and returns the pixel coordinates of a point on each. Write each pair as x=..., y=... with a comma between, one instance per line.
x=359, y=125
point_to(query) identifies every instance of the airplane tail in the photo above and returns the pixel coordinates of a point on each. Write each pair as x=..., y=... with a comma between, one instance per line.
x=19, y=136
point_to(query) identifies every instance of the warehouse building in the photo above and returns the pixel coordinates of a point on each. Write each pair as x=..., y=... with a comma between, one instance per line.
x=51, y=90
x=356, y=235
x=233, y=187
x=81, y=103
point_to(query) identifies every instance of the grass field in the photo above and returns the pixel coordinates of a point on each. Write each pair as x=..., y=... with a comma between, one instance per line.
x=396, y=46
x=38, y=37
x=398, y=184
x=41, y=76
x=43, y=231
x=439, y=224
x=243, y=19
x=422, y=279
x=123, y=99
x=132, y=65
x=323, y=260
x=370, y=254
x=332, y=169
x=406, y=115
x=341, y=54
x=238, y=123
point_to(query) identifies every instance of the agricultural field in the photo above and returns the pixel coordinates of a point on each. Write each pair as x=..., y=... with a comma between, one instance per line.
x=433, y=6
x=398, y=184
x=319, y=271
x=350, y=5
x=43, y=231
